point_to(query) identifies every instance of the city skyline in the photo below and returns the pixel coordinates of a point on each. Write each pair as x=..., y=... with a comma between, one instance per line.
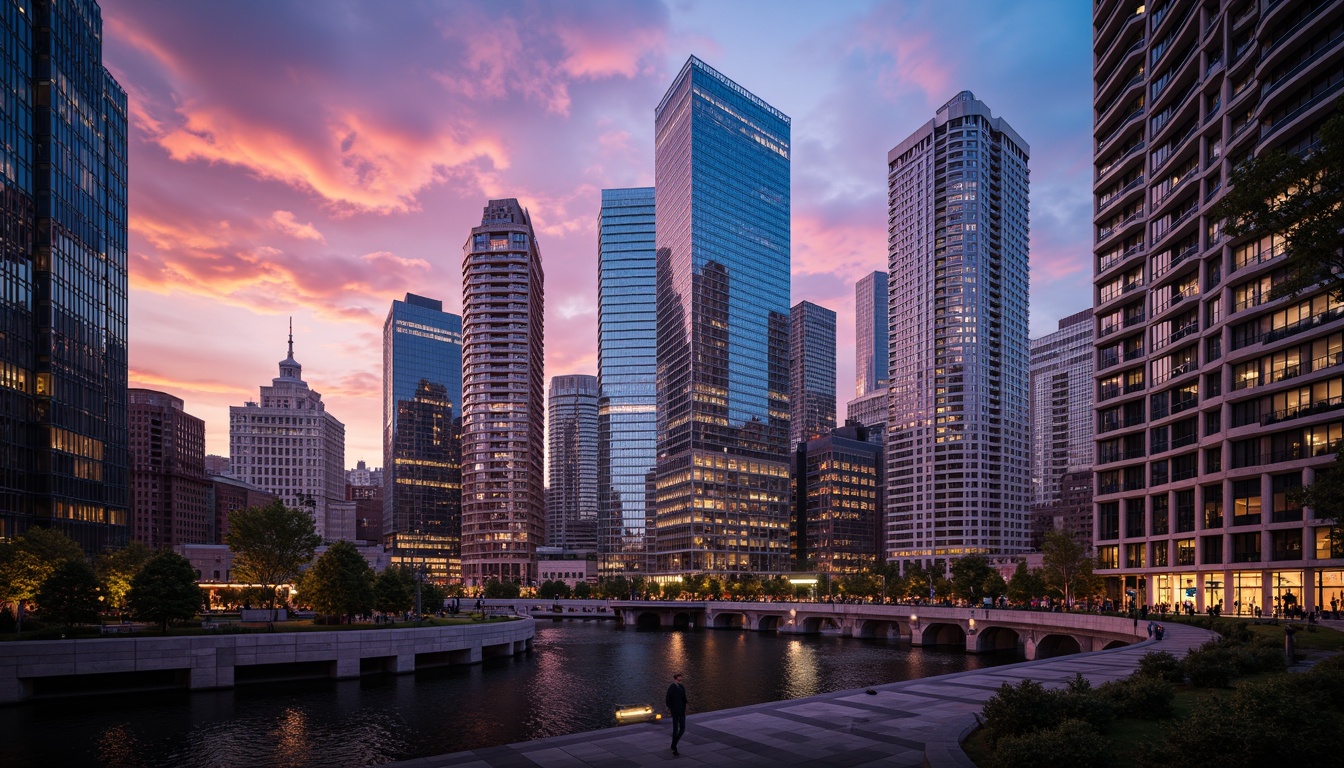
x=293, y=218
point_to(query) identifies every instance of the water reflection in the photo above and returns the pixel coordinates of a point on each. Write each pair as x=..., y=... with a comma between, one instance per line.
x=577, y=675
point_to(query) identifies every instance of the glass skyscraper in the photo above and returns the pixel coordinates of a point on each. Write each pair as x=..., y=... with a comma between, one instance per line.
x=422, y=401
x=811, y=372
x=957, y=459
x=571, y=499
x=503, y=395
x=64, y=456
x=870, y=333
x=626, y=374
x=721, y=171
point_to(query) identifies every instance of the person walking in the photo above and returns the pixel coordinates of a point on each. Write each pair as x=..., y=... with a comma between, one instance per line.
x=676, y=707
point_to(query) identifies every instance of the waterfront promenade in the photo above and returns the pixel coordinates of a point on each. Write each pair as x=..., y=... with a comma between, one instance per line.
x=911, y=723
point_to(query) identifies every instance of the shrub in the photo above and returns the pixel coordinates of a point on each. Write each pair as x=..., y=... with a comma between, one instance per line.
x=1087, y=706
x=1162, y=665
x=1143, y=696
x=1069, y=744
x=1210, y=666
x=1021, y=709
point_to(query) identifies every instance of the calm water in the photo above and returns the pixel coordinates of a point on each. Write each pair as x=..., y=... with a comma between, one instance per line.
x=575, y=677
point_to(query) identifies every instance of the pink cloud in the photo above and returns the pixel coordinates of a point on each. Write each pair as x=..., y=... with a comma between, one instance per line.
x=287, y=223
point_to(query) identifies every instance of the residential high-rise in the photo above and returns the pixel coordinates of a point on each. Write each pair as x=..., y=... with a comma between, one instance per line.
x=870, y=334
x=811, y=372
x=286, y=443
x=957, y=459
x=837, y=521
x=1061, y=412
x=627, y=366
x=571, y=505
x=169, y=487
x=64, y=461
x=721, y=171
x=422, y=473
x=503, y=415
x=1214, y=401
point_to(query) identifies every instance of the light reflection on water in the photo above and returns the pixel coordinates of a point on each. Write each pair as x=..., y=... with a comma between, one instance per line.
x=576, y=676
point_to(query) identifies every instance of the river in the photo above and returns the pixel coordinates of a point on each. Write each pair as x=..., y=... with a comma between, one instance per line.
x=576, y=675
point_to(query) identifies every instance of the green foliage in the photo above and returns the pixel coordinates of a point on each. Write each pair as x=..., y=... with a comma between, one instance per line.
x=502, y=590
x=431, y=597
x=164, y=590
x=974, y=578
x=1210, y=666
x=553, y=590
x=1025, y=708
x=1161, y=665
x=1025, y=584
x=1070, y=744
x=1147, y=697
x=583, y=590
x=117, y=568
x=1326, y=498
x=614, y=589
x=1066, y=567
x=394, y=591
x=340, y=582
x=694, y=585
x=270, y=545
x=28, y=560
x=69, y=594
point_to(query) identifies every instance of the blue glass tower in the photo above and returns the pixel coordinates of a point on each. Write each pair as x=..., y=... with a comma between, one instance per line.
x=721, y=172
x=64, y=459
x=422, y=408
x=627, y=369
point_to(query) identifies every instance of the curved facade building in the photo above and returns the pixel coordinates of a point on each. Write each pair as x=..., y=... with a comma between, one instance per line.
x=503, y=390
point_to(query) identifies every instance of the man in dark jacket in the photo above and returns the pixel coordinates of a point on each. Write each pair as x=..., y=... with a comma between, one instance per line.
x=676, y=707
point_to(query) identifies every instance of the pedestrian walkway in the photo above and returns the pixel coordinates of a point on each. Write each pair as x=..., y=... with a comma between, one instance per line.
x=912, y=723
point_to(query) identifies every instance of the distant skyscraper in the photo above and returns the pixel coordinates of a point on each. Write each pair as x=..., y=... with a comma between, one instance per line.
x=811, y=372
x=1061, y=406
x=64, y=460
x=870, y=334
x=571, y=507
x=870, y=410
x=169, y=488
x=721, y=168
x=957, y=460
x=503, y=421
x=422, y=472
x=627, y=367
x=287, y=444
x=837, y=524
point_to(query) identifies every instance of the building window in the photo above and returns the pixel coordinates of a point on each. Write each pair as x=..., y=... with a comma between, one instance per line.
x=1212, y=549
x=1108, y=557
x=1185, y=552
x=1287, y=545
x=1134, y=555
x=1246, y=503
x=1246, y=547
x=1287, y=505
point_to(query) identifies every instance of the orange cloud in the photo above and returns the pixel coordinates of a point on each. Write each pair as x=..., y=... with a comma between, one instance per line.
x=285, y=222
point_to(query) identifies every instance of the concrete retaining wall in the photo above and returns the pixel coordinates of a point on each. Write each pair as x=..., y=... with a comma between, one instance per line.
x=210, y=661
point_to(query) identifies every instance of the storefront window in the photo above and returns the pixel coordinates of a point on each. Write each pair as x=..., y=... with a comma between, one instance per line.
x=1213, y=593
x=1246, y=592
x=1287, y=591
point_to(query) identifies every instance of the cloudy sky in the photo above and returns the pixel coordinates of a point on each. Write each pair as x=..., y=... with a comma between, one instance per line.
x=322, y=159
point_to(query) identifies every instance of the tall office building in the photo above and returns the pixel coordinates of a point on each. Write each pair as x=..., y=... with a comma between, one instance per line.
x=871, y=411
x=503, y=416
x=286, y=443
x=1061, y=409
x=64, y=460
x=571, y=503
x=837, y=523
x=958, y=473
x=870, y=334
x=721, y=171
x=422, y=472
x=627, y=366
x=811, y=372
x=169, y=487
x=1214, y=401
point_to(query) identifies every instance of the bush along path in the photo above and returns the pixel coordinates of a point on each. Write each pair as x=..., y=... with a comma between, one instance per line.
x=1231, y=702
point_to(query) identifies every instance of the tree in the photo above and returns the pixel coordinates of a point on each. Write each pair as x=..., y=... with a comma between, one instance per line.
x=1025, y=584
x=270, y=545
x=583, y=590
x=973, y=579
x=116, y=568
x=615, y=589
x=393, y=591
x=164, y=590
x=1325, y=496
x=69, y=595
x=431, y=597
x=1297, y=199
x=502, y=590
x=1067, y=568
x=340, y=583
x=27, y=561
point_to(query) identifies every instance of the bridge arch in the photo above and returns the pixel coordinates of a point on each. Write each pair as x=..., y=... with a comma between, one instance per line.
x=648, y=621
x=994, y=639
x=1051, y=646
x=939, y=633
x=814, y=625
x=1114, y=644
x=769, y=623
x=878, y=629
x=729, y=620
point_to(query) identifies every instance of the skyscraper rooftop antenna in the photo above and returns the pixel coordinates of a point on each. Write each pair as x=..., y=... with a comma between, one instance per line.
x=291, y=337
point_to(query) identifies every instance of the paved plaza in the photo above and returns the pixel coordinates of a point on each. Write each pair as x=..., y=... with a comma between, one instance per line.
x=912, y=723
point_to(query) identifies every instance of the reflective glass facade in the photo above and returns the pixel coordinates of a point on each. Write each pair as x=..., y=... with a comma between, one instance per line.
x=721, y=170
x=811, y=372
x=503, y=396
x=870, y=334
x=571, y=498
x=1061, y=406
x=626, y=374
x=957, y=460
x=64, y=459
x=422, y=474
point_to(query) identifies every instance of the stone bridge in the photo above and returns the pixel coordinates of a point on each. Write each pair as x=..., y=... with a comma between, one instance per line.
x=1036, y=634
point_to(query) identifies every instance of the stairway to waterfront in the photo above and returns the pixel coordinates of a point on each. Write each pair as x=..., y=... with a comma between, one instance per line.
x=911, y=723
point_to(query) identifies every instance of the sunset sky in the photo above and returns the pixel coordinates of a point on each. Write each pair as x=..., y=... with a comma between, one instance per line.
x=320, y=159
